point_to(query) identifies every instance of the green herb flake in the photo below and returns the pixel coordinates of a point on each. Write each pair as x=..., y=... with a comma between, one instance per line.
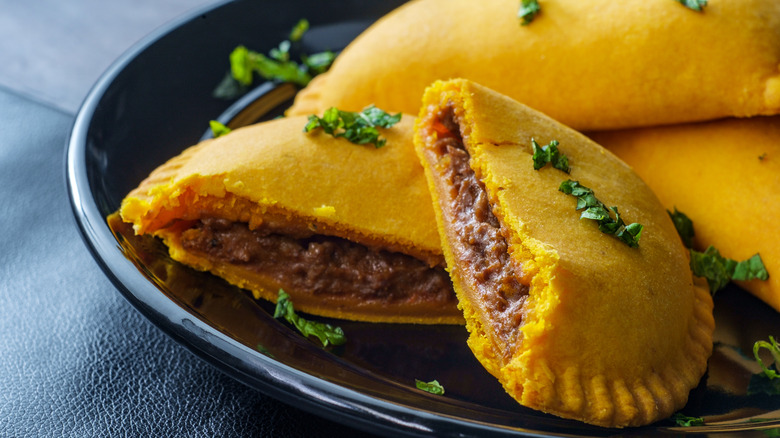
x=684, y=226
x=594, y=209
x=218, y=129
x=358, y=128
x=433, y=386
x=719, y=271
x=229, y=88
x=774, y=350
x=762, y=157
x=278, y=65
x=772, y=433
x=686, y=421
x=696, y=5
x=240, y=65
x=549, y=154
x=768, y=380
x=326, y=333
x=281, y=53
x=318, y=63
x=760, y=384
x=264, y=351
x=244, y=63
x=300, y=28
x=750, y=269
x=528, y=10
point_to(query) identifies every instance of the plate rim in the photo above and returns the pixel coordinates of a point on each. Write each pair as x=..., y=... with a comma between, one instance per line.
x=310, y=393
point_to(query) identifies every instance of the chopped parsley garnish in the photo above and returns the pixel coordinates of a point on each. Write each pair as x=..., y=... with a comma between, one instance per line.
x=218, y=129
x=244, y=63
x=280, y=53
x=549, y=154
x=318, y=63
x=596, y=210
x=359, y=128
x=774, y=350
x=326, y=333
x=264, y=350
x=433, y=386
x=300, y=28
x=528, y=10
x=686, y=421
x=767, y=381
x=696, y=5
x=277, y=65
x=684, y=226
x=719, y=271
x=772, y=433
x=750, y=269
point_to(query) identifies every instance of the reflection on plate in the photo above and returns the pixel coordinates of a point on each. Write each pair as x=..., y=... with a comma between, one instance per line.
x=157, y=100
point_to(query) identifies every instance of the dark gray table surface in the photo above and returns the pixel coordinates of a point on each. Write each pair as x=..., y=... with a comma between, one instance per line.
x=76, y=359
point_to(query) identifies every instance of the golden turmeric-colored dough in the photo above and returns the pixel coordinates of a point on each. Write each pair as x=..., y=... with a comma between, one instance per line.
x=274, y=173
x=591, y=64
x=724, y=175
x=610, y=335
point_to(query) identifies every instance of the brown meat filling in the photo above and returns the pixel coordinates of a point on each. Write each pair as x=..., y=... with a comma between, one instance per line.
x=480, y=247
x=325, y=266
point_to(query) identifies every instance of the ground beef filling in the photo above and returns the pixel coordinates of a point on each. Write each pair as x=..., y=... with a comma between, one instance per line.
x=325, y=266
x=481, y=248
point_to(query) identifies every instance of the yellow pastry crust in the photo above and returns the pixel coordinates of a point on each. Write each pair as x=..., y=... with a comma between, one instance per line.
x=595, y=64
x=274, y=173
x=611, y=335
x=724, y=175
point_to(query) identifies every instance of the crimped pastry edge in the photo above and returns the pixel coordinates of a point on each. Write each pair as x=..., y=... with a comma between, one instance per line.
x=603, y=400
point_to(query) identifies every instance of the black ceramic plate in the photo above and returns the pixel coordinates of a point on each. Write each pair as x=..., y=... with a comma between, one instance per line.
x=157, y=100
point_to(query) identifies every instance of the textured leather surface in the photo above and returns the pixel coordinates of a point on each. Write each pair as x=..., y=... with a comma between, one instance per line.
x=76, y=359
